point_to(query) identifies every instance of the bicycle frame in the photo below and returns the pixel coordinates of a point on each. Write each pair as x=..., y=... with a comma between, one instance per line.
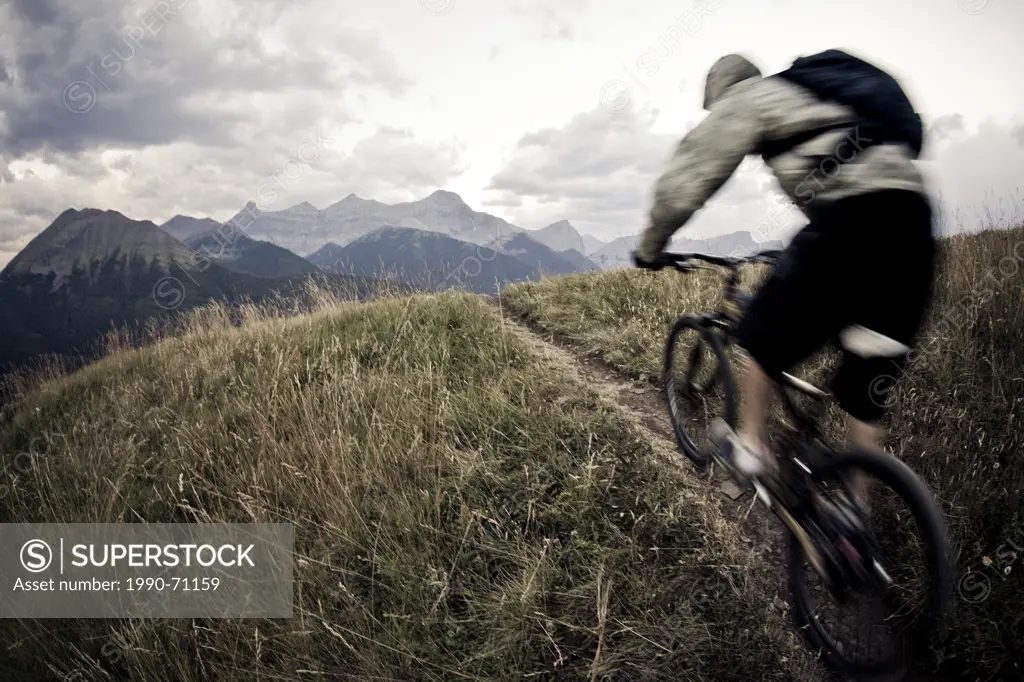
x=724, y=320
x=732, y=308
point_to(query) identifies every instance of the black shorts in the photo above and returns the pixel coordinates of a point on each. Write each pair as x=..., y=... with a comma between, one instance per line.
x=864, y=263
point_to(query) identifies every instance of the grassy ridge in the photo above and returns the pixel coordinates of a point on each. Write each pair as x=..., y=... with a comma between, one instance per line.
x=620, y=316
x=954, y=418
x=462, y=510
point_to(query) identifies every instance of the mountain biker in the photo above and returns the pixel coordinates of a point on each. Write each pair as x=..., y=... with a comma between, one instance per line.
x=859, y=273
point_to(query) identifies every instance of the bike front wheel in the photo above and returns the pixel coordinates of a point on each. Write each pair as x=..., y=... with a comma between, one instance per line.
x=699, y=385
x=880, y=629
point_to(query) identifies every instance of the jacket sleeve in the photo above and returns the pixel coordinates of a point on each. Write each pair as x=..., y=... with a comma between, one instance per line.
x=701, y=164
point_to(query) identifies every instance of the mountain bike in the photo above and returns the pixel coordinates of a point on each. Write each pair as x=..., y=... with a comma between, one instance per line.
x=911, y=595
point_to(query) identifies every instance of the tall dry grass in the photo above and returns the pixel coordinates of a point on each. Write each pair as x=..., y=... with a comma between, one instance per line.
x=315, y=293
x=462, y=509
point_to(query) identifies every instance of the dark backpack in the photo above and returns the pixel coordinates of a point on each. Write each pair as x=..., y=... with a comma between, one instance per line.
x=886, y=114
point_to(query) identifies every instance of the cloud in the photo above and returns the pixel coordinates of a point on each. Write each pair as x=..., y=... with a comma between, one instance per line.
x=553, y=25
x=393, y=165
x=1018, y=134
x=506, y=200
x=105, y=72
x=181, y=106
x=944, y=127
x=599, y=169
x=979, y=175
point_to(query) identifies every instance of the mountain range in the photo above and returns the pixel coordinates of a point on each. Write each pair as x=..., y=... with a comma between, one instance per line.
x=432, y=260
x=426, y=260
x=305, y=229
x=92, y=270
x=233, y=250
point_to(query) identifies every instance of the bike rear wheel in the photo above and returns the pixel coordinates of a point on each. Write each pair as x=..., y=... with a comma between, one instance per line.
x=912, y=609
x=699, y=385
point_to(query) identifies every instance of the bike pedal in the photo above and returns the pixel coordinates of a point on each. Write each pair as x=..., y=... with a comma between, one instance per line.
x=762, y=493
x=722, y=452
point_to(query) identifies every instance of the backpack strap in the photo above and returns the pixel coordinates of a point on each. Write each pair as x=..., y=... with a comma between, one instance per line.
x=772, y=148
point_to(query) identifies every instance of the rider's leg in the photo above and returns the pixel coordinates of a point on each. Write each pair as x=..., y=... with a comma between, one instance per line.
x=864, y=386
x=866, y=436
x=865, y=383
x=756, y=394
x=792, y=315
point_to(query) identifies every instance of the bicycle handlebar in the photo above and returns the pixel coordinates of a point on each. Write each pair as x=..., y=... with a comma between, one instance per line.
x=681, y=261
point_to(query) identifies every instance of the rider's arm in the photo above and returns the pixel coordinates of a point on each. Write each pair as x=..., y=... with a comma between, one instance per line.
x=703, y=161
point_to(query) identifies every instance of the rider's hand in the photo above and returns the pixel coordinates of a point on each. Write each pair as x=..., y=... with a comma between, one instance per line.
x=646, y=264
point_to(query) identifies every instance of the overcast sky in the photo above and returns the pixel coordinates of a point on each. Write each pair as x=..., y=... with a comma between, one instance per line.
x=534, y=111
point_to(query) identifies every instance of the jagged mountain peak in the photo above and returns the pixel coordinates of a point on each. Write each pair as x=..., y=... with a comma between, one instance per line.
x=88, y=238
x=304, y=207
x=444, y=197
x=560, y=236
x=178, y=217
x=183, y=226
x=561, y=225
x=351, y=203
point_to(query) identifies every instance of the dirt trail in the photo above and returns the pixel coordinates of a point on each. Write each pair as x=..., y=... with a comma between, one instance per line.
x=644, y=404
